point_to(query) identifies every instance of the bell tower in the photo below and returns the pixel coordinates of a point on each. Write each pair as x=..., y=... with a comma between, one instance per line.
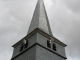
x=39, y=43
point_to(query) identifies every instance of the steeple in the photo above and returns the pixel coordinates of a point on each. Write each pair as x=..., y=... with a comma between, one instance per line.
x=39, y=44
x=40, y=19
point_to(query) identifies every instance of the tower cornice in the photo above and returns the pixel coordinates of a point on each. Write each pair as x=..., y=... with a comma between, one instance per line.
x=37, y=30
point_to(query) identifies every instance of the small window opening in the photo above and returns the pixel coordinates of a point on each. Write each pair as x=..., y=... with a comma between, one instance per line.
x=21, y=48
x=48, y=44
x=54, y=47
x=26, y=44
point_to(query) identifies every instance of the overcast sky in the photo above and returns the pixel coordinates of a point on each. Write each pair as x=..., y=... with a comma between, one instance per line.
x=64, y=18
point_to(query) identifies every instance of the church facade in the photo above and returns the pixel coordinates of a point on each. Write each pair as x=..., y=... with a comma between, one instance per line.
x=39, y=43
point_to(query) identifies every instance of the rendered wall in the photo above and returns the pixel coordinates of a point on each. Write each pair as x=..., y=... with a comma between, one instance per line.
x=43, y=54
x=31, y=41
x=43, y=41
x=28, y=55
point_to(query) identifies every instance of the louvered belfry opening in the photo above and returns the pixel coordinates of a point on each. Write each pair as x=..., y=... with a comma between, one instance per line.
x=48, y=44
x=24, y=45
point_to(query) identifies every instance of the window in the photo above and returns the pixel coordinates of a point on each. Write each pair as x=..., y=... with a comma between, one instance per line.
x=48, y=44
x=21, y=48
x=26, y=44
x=54, y=47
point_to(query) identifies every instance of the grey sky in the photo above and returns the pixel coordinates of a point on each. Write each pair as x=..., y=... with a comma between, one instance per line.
x=64, y=18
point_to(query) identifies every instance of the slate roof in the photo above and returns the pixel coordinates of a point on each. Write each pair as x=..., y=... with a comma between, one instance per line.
x=40, y=19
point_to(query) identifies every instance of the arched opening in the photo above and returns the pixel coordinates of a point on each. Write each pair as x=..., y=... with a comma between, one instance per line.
x=26, y=44
x=54, y=47
x=48, y=44
x=21, y=48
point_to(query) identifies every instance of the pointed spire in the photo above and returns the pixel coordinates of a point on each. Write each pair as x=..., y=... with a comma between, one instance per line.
x=40, y=19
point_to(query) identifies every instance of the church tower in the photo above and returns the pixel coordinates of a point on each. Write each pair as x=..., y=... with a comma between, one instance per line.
x=39, y=43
